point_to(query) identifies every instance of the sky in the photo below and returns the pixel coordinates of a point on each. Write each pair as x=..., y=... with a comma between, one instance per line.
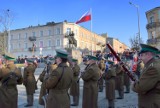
x=117, y=18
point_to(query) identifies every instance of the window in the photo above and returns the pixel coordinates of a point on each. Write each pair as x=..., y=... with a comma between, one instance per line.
x=49, y=43
x=68, y=31
x=25, y=46
x=58, y=42
x=33, y=33
x=19, y=45
x=11, y=46
x=11, y=36
x=41, y=44
x=19, y=36
x=49, y=32
x=58, y=31
x=151, y=19
x=26, y=35
x=41, y=33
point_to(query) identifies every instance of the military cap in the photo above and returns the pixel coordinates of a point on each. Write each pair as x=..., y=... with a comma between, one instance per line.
x=29, y=60
x=90, y=57
x=110, y=62
x=51, y=58
x=74, y=60
x=9, y=56
x=148, y=48
x=61, y=54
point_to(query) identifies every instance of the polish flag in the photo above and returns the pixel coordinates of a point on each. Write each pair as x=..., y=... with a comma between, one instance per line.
x=85, y=17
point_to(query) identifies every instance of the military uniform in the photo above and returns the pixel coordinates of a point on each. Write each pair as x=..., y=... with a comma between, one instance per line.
x=58, y=84
x=148, y=86
x=10, y=76
x=102, y=67
x=29, y=81
x=43, y=90
x=74, y=90
x=110, y=84
x=90, y=87
x=120, y=81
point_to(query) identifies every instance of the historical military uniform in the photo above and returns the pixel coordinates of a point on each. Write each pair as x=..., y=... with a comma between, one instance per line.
x=102, y=67
x=10, y=76
x=120, y=81
x=90, y=87
x=148, y=86
x=29, y=81
x=127, y=81
x=74, y=90
x=59, y=82
x=109, y=77
x=43, y=91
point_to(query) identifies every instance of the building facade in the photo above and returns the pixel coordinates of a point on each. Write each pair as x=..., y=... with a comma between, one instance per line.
x=153, y=26
x=118, y=46
x=45, y=39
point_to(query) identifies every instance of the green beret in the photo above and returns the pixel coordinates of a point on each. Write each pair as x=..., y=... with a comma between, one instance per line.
x=148, y=48
x=61, y=54
x=110, y=62
x=9, y=56
x=74, y=60
x=90, y=57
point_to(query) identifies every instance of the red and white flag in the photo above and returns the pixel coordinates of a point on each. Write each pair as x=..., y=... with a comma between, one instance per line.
x=85, y=17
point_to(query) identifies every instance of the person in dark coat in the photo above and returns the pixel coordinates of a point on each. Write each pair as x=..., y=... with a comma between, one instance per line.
x=29, y=82
x=58, y=82
x=74, y=90
x=90, y=87
x=109, y=77
x=10, y=76
x=148, y=86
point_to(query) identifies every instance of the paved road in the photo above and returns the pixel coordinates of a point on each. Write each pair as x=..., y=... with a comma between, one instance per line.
x=129, y=101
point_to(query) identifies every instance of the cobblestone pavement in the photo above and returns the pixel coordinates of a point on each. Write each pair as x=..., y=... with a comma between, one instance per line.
x=129, y=101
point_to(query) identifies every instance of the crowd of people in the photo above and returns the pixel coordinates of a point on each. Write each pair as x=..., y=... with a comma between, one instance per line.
x=60, y=78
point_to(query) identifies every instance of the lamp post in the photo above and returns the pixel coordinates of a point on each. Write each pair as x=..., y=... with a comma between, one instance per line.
x=137, y=7
x=8, y=14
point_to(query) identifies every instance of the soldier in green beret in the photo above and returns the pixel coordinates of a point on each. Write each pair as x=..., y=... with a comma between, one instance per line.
x=74, y=90
x=10, y=76
x=148, y=86
x=90, y=77
x=29, y=81
x=109, y=77
x=58, y=82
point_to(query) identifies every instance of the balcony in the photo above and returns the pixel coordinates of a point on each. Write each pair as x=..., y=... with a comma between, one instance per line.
x=32, y=38
x=31, y=49
x=153, y=41
x=153, y=25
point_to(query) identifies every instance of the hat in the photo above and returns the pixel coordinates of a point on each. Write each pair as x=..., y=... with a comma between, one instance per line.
x=51, y=58
x=9, y=56
x=110, y=62
x=90, y=57
x=61, y=54
x=29, y=60
x=74, y=60
x=148, y=48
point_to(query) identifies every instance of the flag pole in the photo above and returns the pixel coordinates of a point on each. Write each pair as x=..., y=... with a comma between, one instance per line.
x=91, y=31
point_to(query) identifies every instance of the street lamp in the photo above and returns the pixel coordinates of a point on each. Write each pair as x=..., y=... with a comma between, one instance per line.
x=8, y=14
x=139, y=37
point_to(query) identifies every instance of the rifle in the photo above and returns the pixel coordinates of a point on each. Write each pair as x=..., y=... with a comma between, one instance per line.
x=40, y=74
x=121, y=63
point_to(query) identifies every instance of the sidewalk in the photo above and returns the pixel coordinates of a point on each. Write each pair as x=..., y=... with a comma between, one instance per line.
x=129, y=101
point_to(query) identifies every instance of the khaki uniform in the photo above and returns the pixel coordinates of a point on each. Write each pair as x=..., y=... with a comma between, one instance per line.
x=8, y=91
x=58, y=89
x=74, y=90
x=127, y=81
x=148, y=86
x=43, y=90
x=29, y=82
x=110, y=86
x=90, y=87
x=102, y=67
x=120, y=81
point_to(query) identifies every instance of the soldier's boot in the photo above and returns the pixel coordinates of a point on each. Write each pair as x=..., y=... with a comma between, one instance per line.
x=111, y=103
x=100, y=88
x=74, y=101
x=127, y=89
x=30, y=101
x=121, y=94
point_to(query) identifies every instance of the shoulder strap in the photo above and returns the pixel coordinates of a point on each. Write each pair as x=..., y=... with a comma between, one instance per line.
x=60, y=77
